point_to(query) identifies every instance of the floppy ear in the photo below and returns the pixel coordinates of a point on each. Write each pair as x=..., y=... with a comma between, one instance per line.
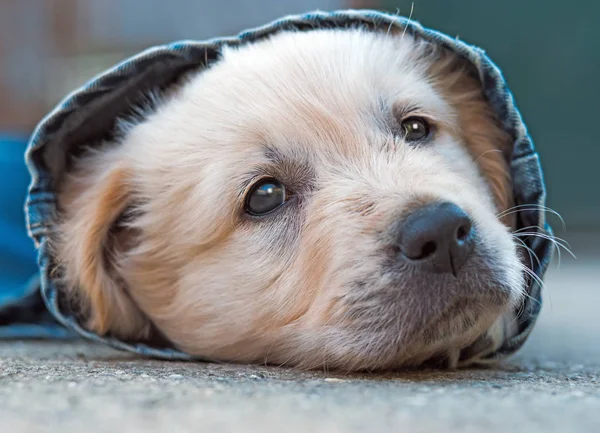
x=489, y=144
x=93, y=239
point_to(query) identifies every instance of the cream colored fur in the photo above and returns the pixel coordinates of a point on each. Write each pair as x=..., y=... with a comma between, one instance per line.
x=221, y=285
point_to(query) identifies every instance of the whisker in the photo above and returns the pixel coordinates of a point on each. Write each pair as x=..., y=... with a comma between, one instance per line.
x=557, y=242
x=554, y=242
x=521, y=232
x=396, y=15
x=521, y=310
x=525, y=207
x=285, y=361
x=535, y=277
x=486, y=152
x=538, y=280
x=564, y=243
x=532, y=207
x=412, y=7
x=265, y=362
x=531, y=253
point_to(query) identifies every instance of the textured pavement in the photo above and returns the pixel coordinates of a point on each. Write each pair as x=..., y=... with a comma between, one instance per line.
x=552, y=385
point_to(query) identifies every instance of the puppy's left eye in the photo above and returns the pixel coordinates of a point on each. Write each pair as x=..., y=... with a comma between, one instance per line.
x=265, y=196
x=415, y=129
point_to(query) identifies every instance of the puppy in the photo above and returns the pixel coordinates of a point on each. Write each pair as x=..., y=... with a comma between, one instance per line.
x=319, y=199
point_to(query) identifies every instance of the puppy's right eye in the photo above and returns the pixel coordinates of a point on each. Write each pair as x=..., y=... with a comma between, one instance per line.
x=265, y=196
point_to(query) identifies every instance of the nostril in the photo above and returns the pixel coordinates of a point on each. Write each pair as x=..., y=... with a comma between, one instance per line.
x=462, y=232
x=425, y=251
x=428, y=250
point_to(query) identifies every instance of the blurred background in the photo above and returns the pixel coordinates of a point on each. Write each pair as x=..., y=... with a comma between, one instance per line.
x=548, y=50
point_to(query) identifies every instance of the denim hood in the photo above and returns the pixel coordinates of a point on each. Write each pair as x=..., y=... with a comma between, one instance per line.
x=89, y=114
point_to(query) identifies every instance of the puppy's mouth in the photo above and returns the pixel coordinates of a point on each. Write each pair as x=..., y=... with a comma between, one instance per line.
x=481, y=279
x=409, y=315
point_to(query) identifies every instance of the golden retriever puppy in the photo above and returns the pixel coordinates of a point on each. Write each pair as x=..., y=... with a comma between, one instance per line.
x=321, y=199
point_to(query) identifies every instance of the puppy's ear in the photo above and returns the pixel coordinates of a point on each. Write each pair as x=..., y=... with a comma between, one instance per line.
x=478, y=127
x=93, y=240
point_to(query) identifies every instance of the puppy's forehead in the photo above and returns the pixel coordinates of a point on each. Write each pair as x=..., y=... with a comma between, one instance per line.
x=327, y=86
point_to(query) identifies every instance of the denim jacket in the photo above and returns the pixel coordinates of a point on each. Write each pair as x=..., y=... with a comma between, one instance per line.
x=89, y=113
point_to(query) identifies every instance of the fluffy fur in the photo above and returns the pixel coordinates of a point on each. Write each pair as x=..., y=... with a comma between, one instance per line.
x=153, y=233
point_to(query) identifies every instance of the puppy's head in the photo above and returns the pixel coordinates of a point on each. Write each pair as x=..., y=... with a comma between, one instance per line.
x=325, y=198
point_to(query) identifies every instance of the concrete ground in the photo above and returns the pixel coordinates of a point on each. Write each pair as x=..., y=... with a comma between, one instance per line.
x=552, y=385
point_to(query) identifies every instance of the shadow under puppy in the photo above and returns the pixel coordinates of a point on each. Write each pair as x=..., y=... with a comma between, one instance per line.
x=328, y=198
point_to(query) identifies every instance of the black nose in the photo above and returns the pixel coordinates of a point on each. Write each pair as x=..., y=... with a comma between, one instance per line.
x=437, y=237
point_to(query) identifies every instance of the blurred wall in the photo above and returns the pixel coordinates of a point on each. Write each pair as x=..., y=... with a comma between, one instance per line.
x=49, y=47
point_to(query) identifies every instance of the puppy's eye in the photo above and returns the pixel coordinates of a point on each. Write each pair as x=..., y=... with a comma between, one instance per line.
x=265, y=196
x=415, y=129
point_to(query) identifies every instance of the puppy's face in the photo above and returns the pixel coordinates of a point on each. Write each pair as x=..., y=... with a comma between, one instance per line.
x=325, y=198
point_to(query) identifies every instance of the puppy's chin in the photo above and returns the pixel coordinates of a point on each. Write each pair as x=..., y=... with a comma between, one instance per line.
x=406, y=318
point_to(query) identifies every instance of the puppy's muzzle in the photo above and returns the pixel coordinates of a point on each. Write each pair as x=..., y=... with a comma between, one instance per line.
x=437, y=238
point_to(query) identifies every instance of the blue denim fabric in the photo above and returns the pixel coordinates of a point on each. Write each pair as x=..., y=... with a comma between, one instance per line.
x=22, y=311
x=89, y=114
